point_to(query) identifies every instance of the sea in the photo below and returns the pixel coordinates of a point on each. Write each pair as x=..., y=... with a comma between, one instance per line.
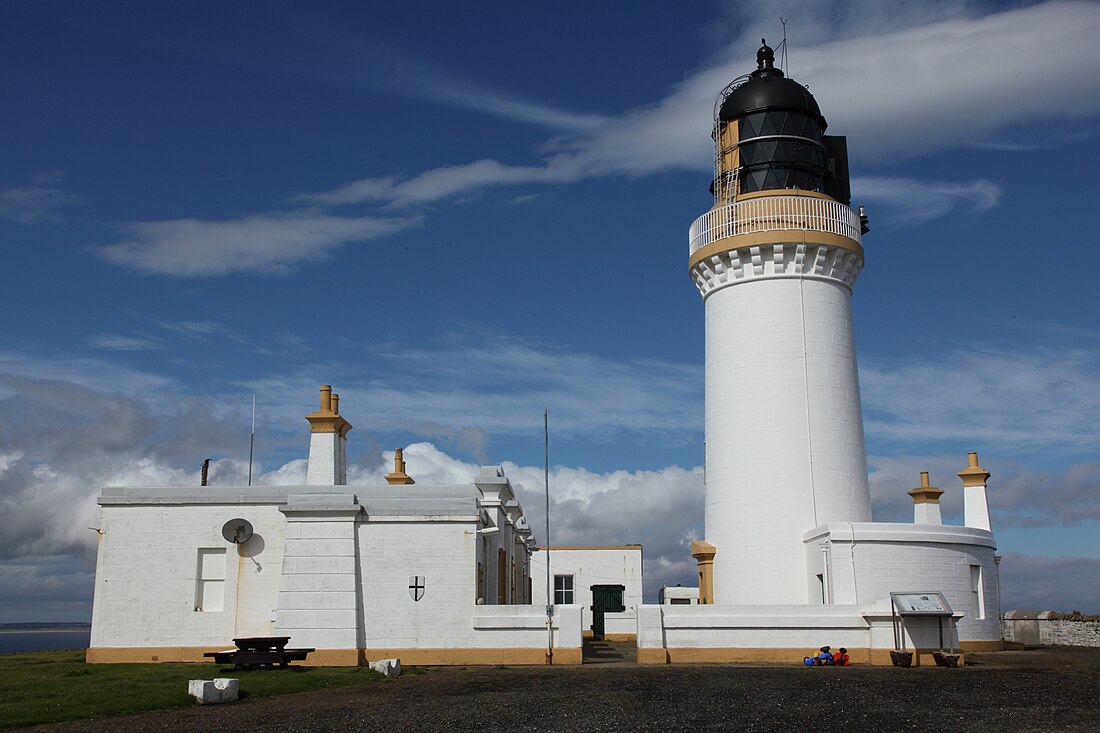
x=12, y=642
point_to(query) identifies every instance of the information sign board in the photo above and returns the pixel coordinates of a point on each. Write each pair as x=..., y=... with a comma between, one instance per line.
x=927, y=603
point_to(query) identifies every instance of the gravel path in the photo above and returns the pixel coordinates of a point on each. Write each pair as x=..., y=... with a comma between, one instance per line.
x=1062, y=694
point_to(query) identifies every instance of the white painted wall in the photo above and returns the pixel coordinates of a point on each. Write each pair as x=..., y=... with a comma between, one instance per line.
x=589, y=566
x=145, y=586
x=868, y=561
x=327, y=464
x=975, y=508
x=784, y=431
x=393, y=549
x=318, y=604
x=348, y=558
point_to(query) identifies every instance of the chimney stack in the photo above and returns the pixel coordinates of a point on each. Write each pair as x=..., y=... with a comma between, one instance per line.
x=328, y=462
x=926, y=502
x=975, y=506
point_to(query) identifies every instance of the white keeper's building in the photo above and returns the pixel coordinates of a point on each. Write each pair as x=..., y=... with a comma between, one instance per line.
x=429, y=574
x=604, y=580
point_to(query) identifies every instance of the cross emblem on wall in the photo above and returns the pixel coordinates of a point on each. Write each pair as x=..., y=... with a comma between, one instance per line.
x=416, y=587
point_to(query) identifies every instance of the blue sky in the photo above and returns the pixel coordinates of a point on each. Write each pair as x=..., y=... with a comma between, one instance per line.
x=461, y=215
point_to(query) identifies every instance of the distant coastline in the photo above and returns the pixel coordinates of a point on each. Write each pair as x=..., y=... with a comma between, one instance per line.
x=44, y=627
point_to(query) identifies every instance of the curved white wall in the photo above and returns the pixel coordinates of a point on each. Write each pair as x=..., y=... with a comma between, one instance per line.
x=868, y=561
x=784, y=431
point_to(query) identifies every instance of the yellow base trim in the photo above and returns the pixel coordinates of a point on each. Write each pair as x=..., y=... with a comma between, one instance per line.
x=752, y=655
x=150, y=654
x=470, y=657
x=652, y=656
x=332, y=658
x=587, y=634
x=983, y=646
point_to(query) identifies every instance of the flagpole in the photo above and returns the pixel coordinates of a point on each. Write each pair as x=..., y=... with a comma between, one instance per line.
x=549, y=587
x=252, y=439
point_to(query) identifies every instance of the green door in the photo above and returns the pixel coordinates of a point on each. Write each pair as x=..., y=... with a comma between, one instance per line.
x=605, y=599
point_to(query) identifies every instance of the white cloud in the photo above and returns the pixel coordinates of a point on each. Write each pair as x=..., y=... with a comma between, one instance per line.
x=500, y=385
x=346, y=56
x=897, y=83
x=474, y=97
x=117, y=342
x=18, y=371
x=51, y=588
x=1045, y=398
x=39, y=203
x=1050, y=584
x=909, y=85
x=908, y=201
x=258, y=243
x=439, y=184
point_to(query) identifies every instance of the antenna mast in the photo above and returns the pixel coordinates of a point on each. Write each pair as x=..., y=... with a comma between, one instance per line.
x=786, y=68
x=252, y=439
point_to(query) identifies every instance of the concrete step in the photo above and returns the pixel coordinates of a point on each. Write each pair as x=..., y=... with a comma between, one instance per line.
x=609, y=652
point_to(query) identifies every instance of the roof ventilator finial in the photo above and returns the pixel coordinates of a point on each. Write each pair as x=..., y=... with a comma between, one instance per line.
x=765, y=57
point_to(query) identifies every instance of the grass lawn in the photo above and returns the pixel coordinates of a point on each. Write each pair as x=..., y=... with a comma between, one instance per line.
x=50, y=687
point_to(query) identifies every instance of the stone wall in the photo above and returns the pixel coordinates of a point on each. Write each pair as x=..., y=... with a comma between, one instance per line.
x=1049, y=628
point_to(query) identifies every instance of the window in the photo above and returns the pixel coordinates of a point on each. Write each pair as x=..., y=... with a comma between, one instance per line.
x=210, y=580
x=679, y=601
x=563, y=590
x=976, y=591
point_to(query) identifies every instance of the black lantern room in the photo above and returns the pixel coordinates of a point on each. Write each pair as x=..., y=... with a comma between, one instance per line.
x=780, y=140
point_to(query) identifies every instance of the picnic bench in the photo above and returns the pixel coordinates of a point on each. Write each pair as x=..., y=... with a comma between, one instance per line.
x=264, y=652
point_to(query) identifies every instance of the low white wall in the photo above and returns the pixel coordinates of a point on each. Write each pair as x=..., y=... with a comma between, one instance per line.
x=524, y=627
x=781, y=627
x=764, y=627
x=621, y=623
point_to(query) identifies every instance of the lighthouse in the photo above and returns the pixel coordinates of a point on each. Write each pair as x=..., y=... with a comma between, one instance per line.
x=775, y=260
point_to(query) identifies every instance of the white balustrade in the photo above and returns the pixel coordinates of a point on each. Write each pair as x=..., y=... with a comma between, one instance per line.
x=774, y=213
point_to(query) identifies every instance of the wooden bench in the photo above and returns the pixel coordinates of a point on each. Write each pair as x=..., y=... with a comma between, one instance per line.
x=263, y=652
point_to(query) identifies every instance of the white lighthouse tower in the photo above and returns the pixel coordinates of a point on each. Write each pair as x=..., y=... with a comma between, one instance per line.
x=775, y=260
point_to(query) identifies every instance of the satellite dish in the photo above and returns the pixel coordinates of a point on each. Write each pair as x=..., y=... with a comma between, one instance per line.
x=237, y=531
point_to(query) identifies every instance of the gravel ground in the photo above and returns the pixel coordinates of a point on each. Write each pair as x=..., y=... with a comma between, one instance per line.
x=1009, y=691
